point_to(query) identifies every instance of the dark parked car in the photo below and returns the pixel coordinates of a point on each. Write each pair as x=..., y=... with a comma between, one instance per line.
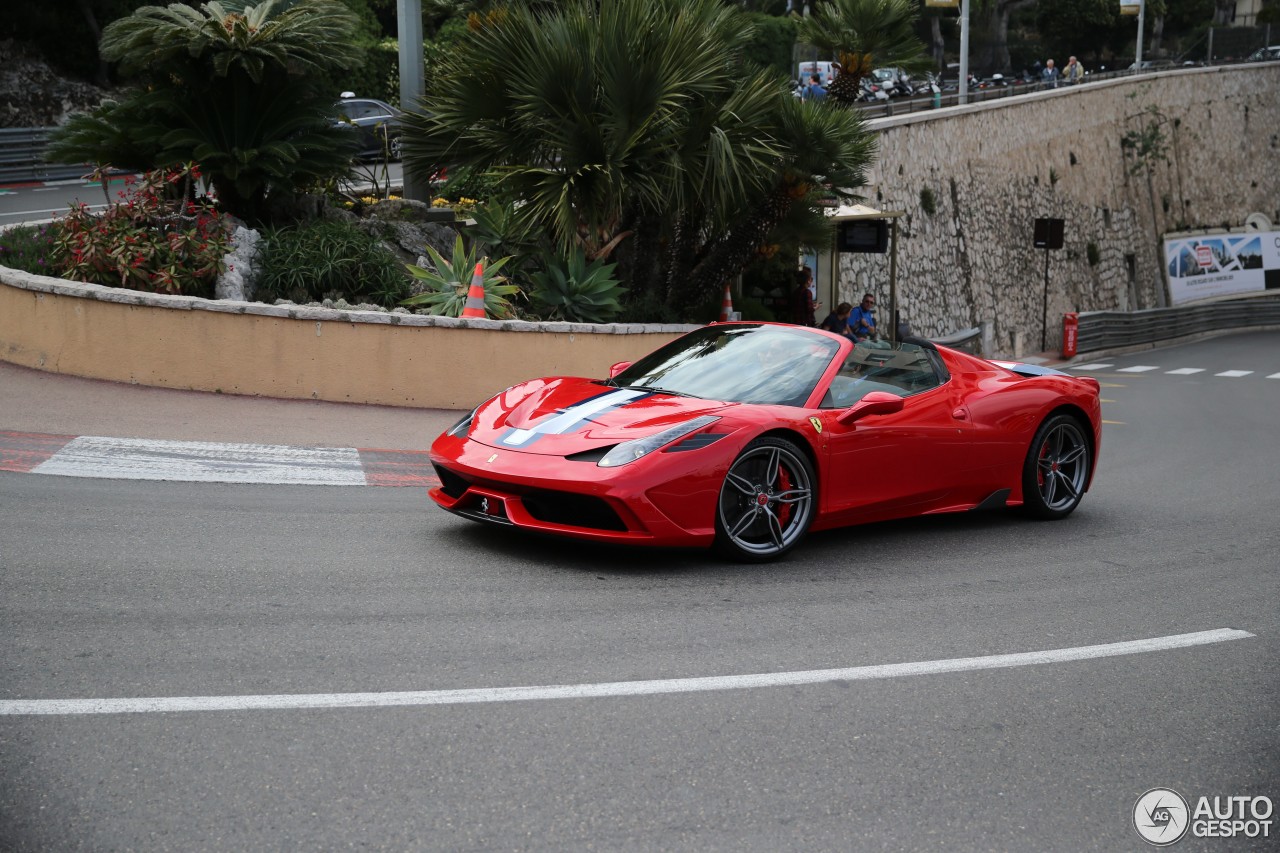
x=377, y=124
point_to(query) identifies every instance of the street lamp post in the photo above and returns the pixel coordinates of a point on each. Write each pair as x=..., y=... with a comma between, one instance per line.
x=412, y=77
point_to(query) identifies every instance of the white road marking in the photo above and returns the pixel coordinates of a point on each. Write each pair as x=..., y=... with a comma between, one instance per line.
x=1138, y=368
x=1274, y=376
x=619, y=688
x=62, y=209
x=1234, y=374
x=1099, y=366
x=205, y=462
x=1185, y=371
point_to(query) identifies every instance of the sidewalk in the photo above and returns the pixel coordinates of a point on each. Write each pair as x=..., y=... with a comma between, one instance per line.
x=34, y=401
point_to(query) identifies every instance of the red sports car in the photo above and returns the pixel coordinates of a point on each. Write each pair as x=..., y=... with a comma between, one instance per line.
x=745, y=436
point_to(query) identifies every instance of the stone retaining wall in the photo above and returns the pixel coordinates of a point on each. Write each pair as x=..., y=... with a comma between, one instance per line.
x=992, y=168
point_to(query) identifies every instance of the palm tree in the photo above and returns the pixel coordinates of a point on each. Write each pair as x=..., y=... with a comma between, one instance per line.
x=228, y=86
x=862, y=35
x=633, y=130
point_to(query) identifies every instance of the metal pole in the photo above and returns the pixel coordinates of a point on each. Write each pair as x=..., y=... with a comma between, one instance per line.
x=893, y=281
x=964, y=51
x=1142, y=17
x=412, y=78
x=1044, y=323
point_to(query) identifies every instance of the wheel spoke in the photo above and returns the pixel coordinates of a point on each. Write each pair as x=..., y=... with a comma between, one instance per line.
x=792, y=496
x=775, y=528
x=1073, y=455
x=1050, y=487
x=772, y=467
x=1045, y=464
x=742, y=523
x=1070, y=486
x=741, y=483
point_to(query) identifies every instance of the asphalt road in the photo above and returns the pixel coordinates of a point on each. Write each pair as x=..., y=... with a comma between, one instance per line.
x=120, y=589
x=22, y=203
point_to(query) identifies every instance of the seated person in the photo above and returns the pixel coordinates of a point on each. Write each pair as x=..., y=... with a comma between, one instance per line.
x=862, y=320
x=838, y=320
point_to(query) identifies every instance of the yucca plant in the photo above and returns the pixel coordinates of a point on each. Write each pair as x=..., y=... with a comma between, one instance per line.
x=575, y=290
x=451, y=279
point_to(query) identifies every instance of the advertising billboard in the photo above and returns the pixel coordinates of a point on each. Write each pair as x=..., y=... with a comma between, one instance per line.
x=1221, y=264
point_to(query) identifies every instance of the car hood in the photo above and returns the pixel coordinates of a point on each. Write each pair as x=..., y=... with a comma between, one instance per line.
x=565, y=415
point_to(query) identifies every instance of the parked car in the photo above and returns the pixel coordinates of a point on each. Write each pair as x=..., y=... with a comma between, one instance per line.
x=1265, y=54
x=376, y=124
x=744, y=436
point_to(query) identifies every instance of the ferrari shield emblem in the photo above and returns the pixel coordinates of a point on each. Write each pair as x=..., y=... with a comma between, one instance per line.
x=817, y=424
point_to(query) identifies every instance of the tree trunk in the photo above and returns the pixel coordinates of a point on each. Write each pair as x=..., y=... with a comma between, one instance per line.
x=996, y=56
x=938, y=45
x=86, y=10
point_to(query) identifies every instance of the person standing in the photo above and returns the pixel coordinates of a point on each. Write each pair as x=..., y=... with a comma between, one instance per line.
x=1073, y=73
x=803, y=306
x=814, y=91
x=862, y=320
x=1050, y=75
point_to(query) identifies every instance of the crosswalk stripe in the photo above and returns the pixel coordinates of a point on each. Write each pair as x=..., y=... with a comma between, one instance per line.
x=1234, y=374
x=1098, y=366
x=1185, y=371
x=1138, y=368
x=1274, y=376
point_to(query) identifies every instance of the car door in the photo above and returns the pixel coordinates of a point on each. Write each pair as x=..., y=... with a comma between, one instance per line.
x=909, y=461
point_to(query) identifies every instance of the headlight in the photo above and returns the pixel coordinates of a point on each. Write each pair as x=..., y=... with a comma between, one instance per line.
x=630, y=451
x=462, y=427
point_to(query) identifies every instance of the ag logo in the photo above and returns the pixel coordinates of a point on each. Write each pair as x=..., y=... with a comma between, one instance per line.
x=1161, y=816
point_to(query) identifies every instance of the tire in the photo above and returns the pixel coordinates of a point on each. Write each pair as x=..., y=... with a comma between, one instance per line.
x=396, y=149
x=767, y=502
x=1056, y=469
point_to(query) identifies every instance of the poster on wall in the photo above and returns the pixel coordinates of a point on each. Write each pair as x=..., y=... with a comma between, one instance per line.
x=1209, y=265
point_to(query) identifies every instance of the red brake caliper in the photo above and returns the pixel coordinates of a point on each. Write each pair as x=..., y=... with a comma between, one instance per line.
x=784, y=485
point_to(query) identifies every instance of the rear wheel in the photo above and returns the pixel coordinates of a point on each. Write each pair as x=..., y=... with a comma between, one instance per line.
x=1057, y=468
x=767, y=501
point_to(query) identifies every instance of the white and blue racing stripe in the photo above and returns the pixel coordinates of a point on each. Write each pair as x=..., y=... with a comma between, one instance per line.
x=572, y=417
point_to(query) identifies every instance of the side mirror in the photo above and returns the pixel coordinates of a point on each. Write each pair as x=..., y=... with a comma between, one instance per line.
x=618, y=368
x=875, y=403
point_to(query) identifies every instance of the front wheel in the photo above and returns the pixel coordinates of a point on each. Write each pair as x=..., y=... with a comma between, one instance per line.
x=1057, y=468
x=767, y=501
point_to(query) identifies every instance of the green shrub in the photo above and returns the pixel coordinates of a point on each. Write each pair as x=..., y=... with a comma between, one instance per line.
x=311, y=262
x=574, y=290
x=450, y=281
x=753, y=309
x=28, y=248
x=148, y=241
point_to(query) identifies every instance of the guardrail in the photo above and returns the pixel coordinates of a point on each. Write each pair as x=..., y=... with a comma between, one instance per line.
x=22, y=157
x=1117, y=329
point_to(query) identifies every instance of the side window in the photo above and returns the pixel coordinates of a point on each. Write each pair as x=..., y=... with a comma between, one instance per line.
x=903, y=369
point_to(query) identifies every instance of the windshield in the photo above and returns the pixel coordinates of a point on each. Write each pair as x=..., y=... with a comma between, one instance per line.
x=773, y=365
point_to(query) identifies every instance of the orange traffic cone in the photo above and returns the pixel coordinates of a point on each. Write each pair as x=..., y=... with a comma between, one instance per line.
x=475, y=295
x=726, y=307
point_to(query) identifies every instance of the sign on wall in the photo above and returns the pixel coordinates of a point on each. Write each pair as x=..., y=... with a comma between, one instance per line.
x=1222, y=264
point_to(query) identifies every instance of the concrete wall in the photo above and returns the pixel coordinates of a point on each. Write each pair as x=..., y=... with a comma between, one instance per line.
x=992, y=168
x=292, y=352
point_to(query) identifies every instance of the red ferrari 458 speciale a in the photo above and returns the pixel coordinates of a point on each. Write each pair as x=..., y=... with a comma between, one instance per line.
x=745, y=436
